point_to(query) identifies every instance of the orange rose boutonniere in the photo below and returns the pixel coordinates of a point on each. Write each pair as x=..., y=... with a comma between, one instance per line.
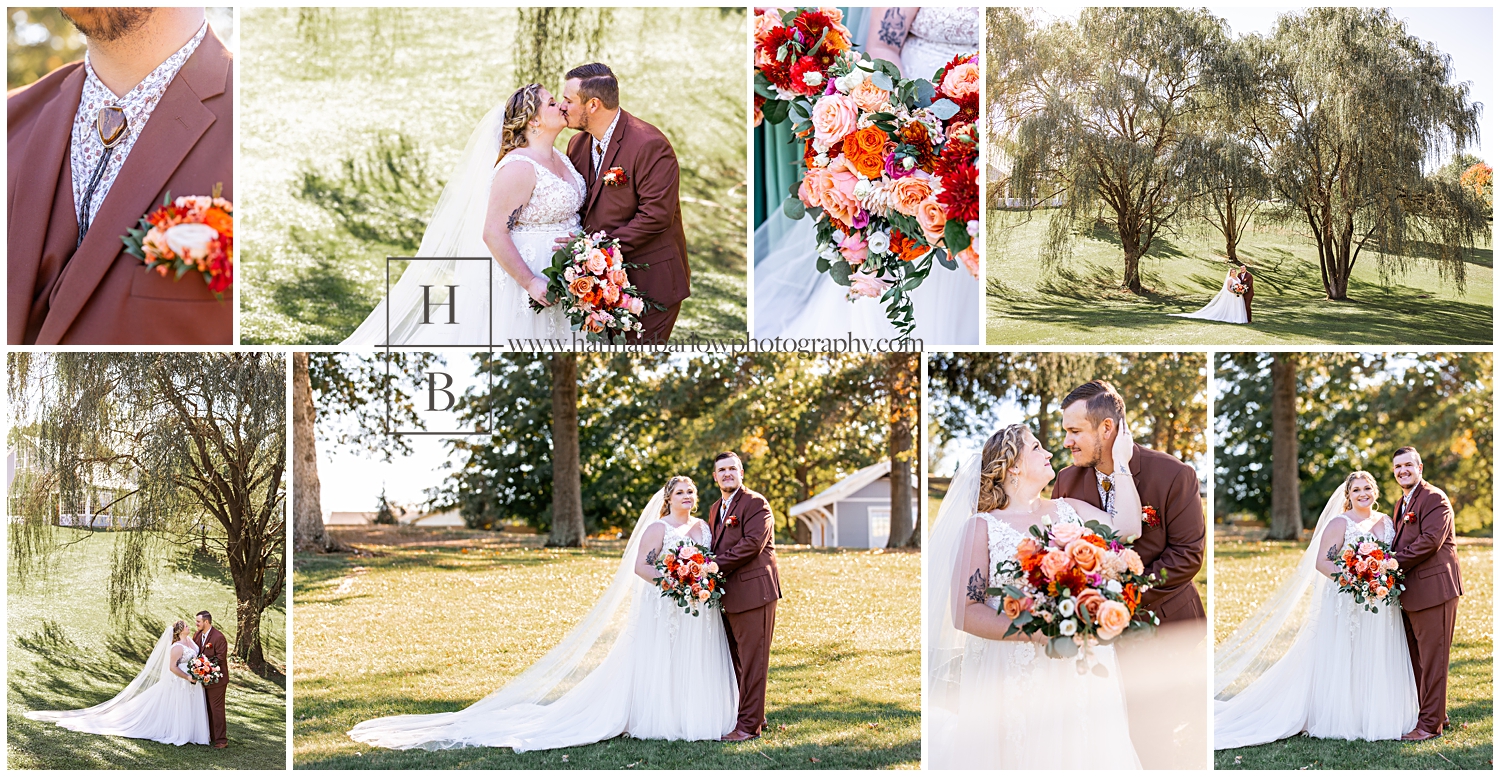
x=732, y=521
x=615, y=176
x=1149, y=517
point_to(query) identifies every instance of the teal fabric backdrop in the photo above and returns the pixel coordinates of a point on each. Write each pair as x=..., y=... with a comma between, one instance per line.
x=778, y=159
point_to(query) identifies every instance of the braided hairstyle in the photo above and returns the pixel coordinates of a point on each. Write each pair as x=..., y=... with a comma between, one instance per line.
x=1348, y=482
x=520, y=109
x=177, y=629
x=1001, y=452
x=666, y=503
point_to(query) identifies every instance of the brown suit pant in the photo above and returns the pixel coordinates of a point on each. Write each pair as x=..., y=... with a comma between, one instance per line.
x=750, y=647
x=218, y=728
x=656, y=326
x=1249, y=316
x=1429, y=637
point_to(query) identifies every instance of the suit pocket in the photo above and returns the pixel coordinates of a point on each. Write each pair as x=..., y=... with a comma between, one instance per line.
x=1434, y=572
x=148, y=284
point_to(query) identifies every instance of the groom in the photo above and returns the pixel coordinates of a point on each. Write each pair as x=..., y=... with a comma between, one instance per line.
x=1166, y=734
x=1424, y=548
x=744, y=547
x=632, y=178
x=211, y=643
x=159, y=87
x=1249, y=281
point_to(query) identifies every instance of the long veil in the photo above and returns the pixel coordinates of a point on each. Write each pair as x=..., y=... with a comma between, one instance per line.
x=156, y=668
x=945, y=642
x=600, y=642
x=1268, y=634
x=459, y=216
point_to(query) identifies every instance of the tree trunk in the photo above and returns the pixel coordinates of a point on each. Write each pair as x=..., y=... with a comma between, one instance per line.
x=308, y=533
x=1132, y=263
x=916, y=534
x=900, y=379
x=247, y=646
x=1286, y=509
x=567, y=483
x=1231, y=226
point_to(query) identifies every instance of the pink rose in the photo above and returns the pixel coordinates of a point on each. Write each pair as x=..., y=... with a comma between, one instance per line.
x=617, y=277
x=703, y=595
x=1381, y=590
x=931, y=217
x=1133, y=561
x=1112, y=618
x=764, y=23
x=869, y=97
x=1366, y=548
x=1055, y=562
x=611, y=293
x=814, y=186
x=864, y=285
x=961, y=81
x=712, y=567
x=839, y=199
x=1063, y=534
x=833, y=117
x=597, y=262
x=854, y=249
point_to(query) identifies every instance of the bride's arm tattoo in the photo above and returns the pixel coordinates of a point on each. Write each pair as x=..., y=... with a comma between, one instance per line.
x=651, y=558
x=515, y=216
x=977, y=586
x=893, y=27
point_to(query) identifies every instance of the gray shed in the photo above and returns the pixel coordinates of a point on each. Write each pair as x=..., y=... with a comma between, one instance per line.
x=854, y=512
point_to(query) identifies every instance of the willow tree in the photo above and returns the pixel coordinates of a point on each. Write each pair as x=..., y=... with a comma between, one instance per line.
x=178, y=449
x=1349, y=111
x=1097, y=112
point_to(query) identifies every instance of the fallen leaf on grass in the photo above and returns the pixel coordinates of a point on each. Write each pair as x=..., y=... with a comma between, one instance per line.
x=814, y=760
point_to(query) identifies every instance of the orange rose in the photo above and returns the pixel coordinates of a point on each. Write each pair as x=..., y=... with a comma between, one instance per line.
x=581, y=285
x=221, y=222
x=1091, y=600
x=1055, y=563
x=909, y=193
x=865, y=150
x=932, y=218
x=1112, y=619
x=1085, y=555
x=869, y=97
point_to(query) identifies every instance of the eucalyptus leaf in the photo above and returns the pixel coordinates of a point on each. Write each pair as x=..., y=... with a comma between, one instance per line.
x=944, y=109
x=793, y=208
x=839, y=271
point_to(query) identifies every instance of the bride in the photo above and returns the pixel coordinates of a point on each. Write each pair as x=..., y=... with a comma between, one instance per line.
x=163, y=703
x=510, y=196
x=1225, y=306
x=792, y=299
x=617, y=672
x=1311, y=658
x=999, y=702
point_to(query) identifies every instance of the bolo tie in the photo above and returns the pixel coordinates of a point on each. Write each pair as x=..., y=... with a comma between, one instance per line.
x=111, y=124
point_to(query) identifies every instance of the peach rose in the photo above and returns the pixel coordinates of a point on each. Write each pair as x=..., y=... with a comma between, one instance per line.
x=1381, y=590
x=703, y=595
x=594, y=323
x=636, y=305
x=1090, y=601
x=764, y=23
x=962, y=81
x=833, y=117
x=1133, y=561
x=1055, y=563
x=1112, y=618
x=1064, y=534
x=865, y=285
x=611, y=293
x=617, y=277
x=932, y=218
x=869, y=97
x=582, y=285
x=970, y=259
x=814, y=186
x=1012, y=608
x=854, y=249
x=839, y=199
x=597, y=262
x=1085, y=555
x=909, y=193
x=1027, y=548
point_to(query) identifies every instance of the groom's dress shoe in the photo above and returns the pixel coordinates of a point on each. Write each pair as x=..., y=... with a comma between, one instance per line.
x=738, y=736
x=221, y=746
x=1417, y=735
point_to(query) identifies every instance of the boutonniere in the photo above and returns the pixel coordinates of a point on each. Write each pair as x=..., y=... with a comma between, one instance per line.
x=732, y=521
x=188, y=234
x=615, y=176
x=1149, y=517
x=1409, y=517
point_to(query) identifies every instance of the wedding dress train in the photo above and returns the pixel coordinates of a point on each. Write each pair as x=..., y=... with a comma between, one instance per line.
x=637, y=664
x=1313, y=660
x=1225, y=306
x=156, y=705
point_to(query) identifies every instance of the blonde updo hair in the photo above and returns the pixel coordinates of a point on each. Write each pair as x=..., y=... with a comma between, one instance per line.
x=520, y=109
x=177, y=629
x=1001, y=452
x=666, y=502
x=1348, y=481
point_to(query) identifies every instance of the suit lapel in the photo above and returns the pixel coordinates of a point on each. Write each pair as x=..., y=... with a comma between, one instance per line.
x=33, y=187
x=1406, y=506
x=720, y=526
x=605, y=162
x=175, y=126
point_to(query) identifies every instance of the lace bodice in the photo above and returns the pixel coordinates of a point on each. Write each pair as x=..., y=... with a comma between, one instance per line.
x=189, y=652
x=955, y=26
x=1381, y=529
x=1004, y=538
x=677, y=536
x=554, y=202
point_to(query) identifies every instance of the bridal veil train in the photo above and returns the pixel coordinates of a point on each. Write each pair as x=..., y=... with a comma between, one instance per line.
x=1225, y=306
x=607, y=677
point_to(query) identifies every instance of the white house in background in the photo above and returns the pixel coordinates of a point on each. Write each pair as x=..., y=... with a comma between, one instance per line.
x=447, y=518
x=854, y=512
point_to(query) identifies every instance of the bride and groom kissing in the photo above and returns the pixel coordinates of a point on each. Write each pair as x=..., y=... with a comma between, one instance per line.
x=1315, y=659
x=997, y=700
x=166, y=702
x=640, y=663
x=514, y=199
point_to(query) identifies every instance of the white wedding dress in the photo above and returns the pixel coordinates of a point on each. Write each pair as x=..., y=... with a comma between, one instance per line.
x=488, y=306
x=1004, y=704
x=156, y=705
x=637, y=664
x=1225, y=306
x=793, y=299
x=1313, y=660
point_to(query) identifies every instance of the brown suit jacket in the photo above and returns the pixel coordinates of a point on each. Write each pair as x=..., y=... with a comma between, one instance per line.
x=1175, y=545
x=59, y=292
x=1424, y=549
x=215, y=646
x=644, y=213
x=746, y=551
x=1249, y=281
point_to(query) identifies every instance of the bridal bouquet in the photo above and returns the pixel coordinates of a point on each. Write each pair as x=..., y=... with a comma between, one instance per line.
x=1368, y=571
x=588, y=278
x=690, y=577
x=1077, y=585
x=188, y=234
x=1237, y=288
x=205, y=670
x=892, y=177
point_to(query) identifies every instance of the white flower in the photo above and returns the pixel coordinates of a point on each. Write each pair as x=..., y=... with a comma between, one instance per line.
x=812, y=78
x=784, y=94
x=1113, y=587
x=829, y=252
x=191, y=241
x=821, y=159
x=908, y=162
x=972, y=228
x=1066, y=608
x=1068, y=627
x=862, y=188
x=820, y=147
x=878, y=242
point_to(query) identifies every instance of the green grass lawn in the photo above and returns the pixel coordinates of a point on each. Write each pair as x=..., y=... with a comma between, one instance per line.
x=63, y=653
x=1240, y=567
x=1083, y=302
x=374, y=633
x=323, y=89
